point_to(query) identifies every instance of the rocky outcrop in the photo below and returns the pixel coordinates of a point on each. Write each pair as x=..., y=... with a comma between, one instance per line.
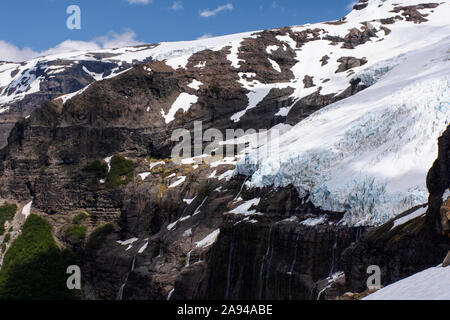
x=57, y=78
x=412, y=13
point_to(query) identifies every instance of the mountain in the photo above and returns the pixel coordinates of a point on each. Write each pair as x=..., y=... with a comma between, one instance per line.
x=358, y=105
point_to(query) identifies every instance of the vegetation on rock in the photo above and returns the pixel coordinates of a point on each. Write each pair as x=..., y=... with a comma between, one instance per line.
x=98, y=237
x=121, y=172
x=7, y=212
x=34, y=267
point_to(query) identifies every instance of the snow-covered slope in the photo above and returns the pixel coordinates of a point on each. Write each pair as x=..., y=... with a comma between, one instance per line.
x=18, y=80
x=431, y=284
x=369, y=155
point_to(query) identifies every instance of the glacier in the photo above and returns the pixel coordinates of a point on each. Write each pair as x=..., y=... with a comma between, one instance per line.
x=367, y=155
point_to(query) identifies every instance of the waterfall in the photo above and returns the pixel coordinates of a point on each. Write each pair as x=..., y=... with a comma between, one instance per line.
x=263, y=262
x=120, y=293
x=240, y=190
x=359, y=233
x=188, y=259
x=291, y=270
x=321, y=291
x=119, y=296
x=230, y=266
x=170, y=294
x=133, y=264
x=333, y=254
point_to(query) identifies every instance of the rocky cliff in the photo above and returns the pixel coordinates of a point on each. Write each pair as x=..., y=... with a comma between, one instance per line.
x=93, y=155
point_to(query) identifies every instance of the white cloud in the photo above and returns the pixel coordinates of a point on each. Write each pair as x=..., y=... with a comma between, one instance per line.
x=10, y=52
x=205, y=36
x=210, y=13
x=116, y=40
x=139, y=1
x=177, y=6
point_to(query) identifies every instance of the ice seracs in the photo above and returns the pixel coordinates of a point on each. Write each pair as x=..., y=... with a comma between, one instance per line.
x=368, y=155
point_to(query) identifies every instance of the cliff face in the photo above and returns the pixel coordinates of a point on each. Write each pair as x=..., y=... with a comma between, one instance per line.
x=46, y=161
x=156, y=229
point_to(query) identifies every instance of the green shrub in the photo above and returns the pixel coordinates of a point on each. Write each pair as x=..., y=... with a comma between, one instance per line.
x=3, y=247
x=121, y=172
x=95, y=171
x=76, y=233
x=7, y=238
x=80, y=217
x=34, y=267
x=7, y=212
x=96, y=168
x=97, y=237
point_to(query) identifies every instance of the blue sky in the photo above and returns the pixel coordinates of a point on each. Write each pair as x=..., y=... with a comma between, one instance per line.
x=29, y=27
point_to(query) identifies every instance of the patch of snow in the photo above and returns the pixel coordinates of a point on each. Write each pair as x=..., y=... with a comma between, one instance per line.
x=183, y=102
x=142, y=249
x=187, y=233
x=144, y=175
x=430, y=284
x=189, y=201
x=96, y=76
x=195, y=84
x=200, y=65
x=127, y=242
x=180, y=181
x=213, y=174
x=311, y=222
x=271, y=49
x=226, y=175
x=27, y=209
x=234, y=52
x=244, y=209
x=275, y=65
x=208, y=240
x=288, y=40
x=418, y=213
x=155, y=164
x=291, y=219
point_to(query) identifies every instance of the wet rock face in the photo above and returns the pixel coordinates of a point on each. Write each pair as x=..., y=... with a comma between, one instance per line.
x=269, y=255
x=282, y=261
x=66, y=77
